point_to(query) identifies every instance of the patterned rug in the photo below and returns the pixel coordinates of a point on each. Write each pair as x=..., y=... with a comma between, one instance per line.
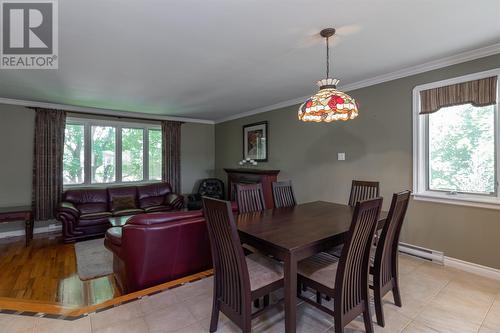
x=93, y=259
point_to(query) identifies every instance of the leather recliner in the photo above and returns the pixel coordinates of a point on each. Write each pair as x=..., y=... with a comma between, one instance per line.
x=85, y=213
x=155, y=248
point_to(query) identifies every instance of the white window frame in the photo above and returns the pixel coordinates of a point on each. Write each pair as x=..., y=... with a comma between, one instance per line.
x=118, y=125
x=420, y=155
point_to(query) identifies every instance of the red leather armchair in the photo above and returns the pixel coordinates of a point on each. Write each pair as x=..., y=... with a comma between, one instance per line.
x=155, y=248
x=85, y=213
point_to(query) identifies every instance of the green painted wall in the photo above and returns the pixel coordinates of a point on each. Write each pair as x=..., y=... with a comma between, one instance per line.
x=378, y=145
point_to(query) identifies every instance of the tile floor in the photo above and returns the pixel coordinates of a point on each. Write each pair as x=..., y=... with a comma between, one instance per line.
x=435, y=299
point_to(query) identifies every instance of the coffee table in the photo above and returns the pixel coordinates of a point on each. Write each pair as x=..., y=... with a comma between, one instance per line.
x=119, y=221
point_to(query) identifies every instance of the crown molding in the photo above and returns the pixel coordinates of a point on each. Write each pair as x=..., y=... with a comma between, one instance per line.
x=409, y=71
x=100, y=111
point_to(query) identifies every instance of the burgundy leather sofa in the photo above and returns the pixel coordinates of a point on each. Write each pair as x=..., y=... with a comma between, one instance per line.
x=85, y=213
x=155, y=248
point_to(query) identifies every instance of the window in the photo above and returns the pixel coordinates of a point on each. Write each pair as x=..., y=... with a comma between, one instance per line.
x=103, y=152
x=456, y=150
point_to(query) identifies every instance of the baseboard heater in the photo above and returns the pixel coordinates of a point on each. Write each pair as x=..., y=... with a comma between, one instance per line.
x=423, y=253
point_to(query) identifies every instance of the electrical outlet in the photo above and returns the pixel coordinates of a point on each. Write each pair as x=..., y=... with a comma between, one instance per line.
x=341, y=156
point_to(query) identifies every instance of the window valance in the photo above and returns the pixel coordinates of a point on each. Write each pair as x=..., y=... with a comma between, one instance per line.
x=480, y=92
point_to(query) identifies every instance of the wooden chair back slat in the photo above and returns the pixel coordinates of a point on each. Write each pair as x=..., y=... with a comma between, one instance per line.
x=351, y=282
x=231, y=279
x=363, y=190
x=283, y=194
x=250, y=198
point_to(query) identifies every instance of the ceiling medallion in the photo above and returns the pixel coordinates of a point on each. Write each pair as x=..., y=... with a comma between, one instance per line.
x=328, y=104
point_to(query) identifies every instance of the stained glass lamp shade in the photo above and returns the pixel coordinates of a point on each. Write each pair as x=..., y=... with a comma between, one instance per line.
x=328, y=104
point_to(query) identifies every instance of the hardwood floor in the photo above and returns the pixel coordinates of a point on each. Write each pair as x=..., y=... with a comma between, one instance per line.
x=43, y=278
x=46, y=271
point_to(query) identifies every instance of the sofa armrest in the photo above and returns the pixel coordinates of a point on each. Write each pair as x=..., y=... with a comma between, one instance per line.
x=176, y=201
x=156, y=218
x=68, y=207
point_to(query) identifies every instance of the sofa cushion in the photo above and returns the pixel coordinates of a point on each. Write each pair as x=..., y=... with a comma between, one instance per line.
x=153, y=194
x=122, y=202
x=117, y=196
x=95, y=216
x=161, y=208
x=88, y=201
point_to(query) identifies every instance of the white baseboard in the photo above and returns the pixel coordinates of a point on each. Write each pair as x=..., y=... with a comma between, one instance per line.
x=470, y=267
x=36, y=230
x=421, y=252
x=440, y=258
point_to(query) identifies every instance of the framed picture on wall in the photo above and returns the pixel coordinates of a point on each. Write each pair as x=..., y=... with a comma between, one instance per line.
x=255, y=141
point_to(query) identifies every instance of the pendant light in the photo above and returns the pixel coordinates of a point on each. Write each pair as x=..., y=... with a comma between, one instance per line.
x=328, y=104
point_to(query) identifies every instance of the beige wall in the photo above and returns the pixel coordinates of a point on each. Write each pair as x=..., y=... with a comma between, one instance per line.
x=197, y=154
x=16, y=153
x=378, y=146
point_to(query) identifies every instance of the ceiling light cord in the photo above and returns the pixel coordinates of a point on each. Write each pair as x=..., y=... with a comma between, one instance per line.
x=327, y=58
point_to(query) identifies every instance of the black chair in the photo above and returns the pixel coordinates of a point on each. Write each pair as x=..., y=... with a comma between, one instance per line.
x=209, y=187
x=385, y=261
x=283, y=194
x=345, y=279
x=238, y=279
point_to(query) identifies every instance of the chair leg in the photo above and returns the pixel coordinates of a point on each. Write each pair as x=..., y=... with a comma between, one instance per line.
x=368, y=321
x=379, y=311
x=395, y=292
x=247, y=324
x=318, y=297
x=256, y=303
x=266, y=300
x=214, y=321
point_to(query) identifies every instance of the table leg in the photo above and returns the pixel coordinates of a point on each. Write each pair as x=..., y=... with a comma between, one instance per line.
x=290, y=294
x=28, y=226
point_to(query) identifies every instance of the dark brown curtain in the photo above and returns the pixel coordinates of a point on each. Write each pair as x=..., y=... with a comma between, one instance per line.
x=171, y=153
x=478, y=93
x=48, y=162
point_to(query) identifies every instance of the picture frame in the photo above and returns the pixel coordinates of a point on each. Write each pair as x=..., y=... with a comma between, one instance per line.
x=256, y=141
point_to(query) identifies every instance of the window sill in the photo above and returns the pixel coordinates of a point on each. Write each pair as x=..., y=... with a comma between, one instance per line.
x=106, y=185
x=488, y=202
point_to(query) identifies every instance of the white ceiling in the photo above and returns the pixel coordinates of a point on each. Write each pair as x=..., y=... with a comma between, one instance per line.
x=213, y=59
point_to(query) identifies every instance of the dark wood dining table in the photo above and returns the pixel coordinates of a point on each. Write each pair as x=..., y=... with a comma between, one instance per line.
x=295, y=233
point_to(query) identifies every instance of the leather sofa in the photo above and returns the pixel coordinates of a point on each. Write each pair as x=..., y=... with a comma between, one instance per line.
x=85, y=213
x=155, y=248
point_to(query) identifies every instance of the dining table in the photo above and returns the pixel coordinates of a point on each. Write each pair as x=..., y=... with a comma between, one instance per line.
x=294, y=233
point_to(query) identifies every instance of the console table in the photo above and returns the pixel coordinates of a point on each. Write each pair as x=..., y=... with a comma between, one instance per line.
x=243, y=175
x=19, y=213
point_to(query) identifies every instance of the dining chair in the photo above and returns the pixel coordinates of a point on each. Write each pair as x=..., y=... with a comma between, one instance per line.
x=385, y=260
x=345, y=279
x=363, y=190
x=238, y=279
x=250, y=198
x=283, y=194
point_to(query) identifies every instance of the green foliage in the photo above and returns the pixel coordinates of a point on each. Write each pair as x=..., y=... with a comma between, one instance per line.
x=462, y=149
x=73, y=157
x=132, y=149
x=155, y=154
x=103, y=154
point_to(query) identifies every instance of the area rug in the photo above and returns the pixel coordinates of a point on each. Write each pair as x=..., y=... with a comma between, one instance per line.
x=93, y=259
